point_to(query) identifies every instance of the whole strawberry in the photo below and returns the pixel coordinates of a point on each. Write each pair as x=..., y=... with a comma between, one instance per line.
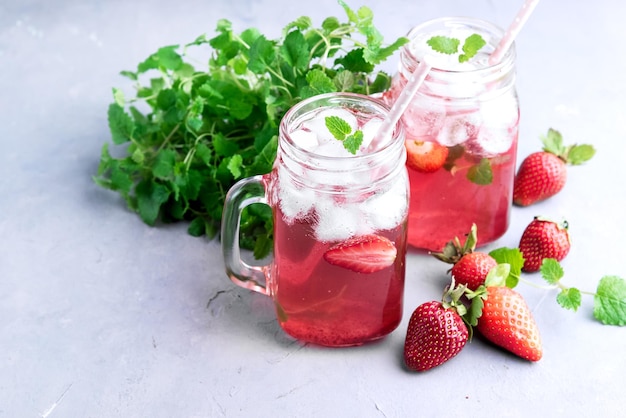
x=543, y=238
x=507, y=322
x=425, y=156
x=543, y=174
x=501, y=315
x=470, y=267
x=435, y=334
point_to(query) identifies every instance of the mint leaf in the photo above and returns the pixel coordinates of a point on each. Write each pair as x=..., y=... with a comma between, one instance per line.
x=120, y=124
x=169, y=58
x=164, y=164
x=235, y=165
x=471, y=46
x=262, y=55
x=551, y=270
x=295, y=50
x=569, y=298
x=610, y=301
x=481, y=174
x=318, y=83
x=338, y=127
x=444, y=44
x=352, y=143
x=150, y=197
x=514, y=258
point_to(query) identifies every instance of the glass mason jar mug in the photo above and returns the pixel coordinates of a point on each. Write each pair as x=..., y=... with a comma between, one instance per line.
x=338, y=267
x=461, y=136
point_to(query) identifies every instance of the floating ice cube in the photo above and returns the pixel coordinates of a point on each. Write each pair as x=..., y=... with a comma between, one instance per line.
x=304, y=139
x=370, y=129
x=332, y=148
x=499, y=127
x=458, y=129
x=492, y=141
x=337, y=223
x=295, y=201
x=387, y=210
x=423, y=118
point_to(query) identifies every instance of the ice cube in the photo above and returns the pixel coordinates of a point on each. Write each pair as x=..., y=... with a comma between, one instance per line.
x=295, y=200
x=337, y=222
x=370, y=129
x=423, y=119
x=333, y=148
x=499, y=127
x=387, y=210
x=304, y=139
x=458, y=129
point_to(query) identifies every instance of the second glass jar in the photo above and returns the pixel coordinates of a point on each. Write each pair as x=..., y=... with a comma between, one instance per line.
x=461, y=136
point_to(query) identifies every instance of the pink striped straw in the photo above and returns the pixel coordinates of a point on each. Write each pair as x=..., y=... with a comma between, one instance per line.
x=516, y=26
x=404, y=99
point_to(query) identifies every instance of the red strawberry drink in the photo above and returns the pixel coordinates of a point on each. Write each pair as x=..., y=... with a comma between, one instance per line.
x=461, y=132
x=337, y=276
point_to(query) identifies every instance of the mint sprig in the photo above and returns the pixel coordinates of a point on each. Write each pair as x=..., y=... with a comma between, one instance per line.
x=342, y=131
x=450, y=46
x=609, y=300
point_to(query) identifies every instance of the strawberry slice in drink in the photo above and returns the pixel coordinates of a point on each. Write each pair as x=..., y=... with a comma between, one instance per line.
x=362, y=254
x=425, y=156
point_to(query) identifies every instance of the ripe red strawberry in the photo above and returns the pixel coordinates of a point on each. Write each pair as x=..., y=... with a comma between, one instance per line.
x=507, y=322
x=471, y=270
x=543, y=174
x=436, y=332
x=541, y=239
x=470, y=267
x=363, y=254
x=425, y=156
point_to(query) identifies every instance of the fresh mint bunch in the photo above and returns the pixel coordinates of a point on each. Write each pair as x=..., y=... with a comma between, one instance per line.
x=189, y=133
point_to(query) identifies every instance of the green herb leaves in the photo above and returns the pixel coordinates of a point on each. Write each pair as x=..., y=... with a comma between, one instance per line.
x=342, y=131
x=609, y=301
x=450, y=46
x=189, y=133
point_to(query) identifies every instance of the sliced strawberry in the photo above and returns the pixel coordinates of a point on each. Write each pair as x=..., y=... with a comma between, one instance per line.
x=363, y=254
x=425, y=156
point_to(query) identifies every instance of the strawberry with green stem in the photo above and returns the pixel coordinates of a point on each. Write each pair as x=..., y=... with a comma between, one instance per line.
x=436, y=331
x=470, y=267
x=543, y=174
x=501, y=315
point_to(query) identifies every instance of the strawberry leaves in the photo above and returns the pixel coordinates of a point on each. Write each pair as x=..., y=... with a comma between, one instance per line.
x=573, y=154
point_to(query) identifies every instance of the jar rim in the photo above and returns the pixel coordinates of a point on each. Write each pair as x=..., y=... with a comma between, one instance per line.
x=326, y=100
x=481, y=25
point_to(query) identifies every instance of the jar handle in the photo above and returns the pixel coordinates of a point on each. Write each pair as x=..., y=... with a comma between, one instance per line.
x=242, y=194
